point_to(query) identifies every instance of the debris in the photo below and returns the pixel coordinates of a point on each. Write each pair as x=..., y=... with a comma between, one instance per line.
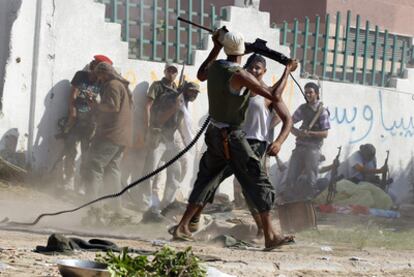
x=214, y=272
x=326, y=248
x=158, y=242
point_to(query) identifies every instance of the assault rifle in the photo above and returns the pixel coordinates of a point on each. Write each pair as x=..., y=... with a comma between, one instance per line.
x=181, y=80
x=258, y=46
x=385, y=180
x=334, y=178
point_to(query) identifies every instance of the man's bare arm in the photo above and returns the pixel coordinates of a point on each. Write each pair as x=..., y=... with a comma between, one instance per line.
x=203, y=70
x=363, y=169
x=282, y=111
x=147, y=111
x=316, y=134
x=242, y=78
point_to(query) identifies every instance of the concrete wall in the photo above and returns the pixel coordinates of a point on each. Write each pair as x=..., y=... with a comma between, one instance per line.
x=18, y=45
x=72, y=31
x=8, y=14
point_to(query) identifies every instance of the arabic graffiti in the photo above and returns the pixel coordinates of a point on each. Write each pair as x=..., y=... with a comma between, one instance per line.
x=361, y=121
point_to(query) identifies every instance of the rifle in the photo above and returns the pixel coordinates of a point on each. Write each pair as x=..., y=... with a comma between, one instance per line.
x=332, y=182
x=259, y=46
x=384, y=184
x=181, y=80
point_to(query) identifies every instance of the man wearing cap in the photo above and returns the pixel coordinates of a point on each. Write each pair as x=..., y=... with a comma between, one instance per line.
x=80, y=125
x=361, y=166
x=225, y=139
x=164, y=114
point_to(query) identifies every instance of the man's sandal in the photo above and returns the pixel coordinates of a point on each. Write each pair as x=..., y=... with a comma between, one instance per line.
x=179, y=236
x=285, y=241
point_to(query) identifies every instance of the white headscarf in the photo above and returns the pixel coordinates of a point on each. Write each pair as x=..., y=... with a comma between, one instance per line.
x=233, y=44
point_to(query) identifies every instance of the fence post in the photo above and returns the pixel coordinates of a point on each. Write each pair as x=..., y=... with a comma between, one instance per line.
x=115, y=11
x=285, y=31
x=325, y=50
x=126, y=32
x=141, y=29
x=213, y=16
x=295, y=36
x=154, y=30
x=384, y=58
x=305, y=44
x=356, y=49
x=190, y=31
x=367, y=43
x=374, y=59
x=394, y=54
x=335, y=57
x=403, y=61
x=166, y=27
x=345, y=62
x=178, y=32
x=316, y=45
x=201, y=31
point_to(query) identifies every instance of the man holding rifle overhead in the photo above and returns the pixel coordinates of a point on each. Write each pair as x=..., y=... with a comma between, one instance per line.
x=226, y=142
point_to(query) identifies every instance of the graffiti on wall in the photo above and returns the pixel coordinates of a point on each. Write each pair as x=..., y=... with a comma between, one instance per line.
x=361, y=121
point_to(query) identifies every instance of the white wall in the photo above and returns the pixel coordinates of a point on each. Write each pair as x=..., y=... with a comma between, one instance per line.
x=8, y=14
x=72, y=31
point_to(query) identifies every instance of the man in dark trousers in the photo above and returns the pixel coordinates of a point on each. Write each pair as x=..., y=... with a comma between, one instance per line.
x=81, y=123
x=225, y=139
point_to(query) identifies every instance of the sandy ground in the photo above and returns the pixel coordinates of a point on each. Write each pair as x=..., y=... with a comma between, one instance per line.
x=307, y=257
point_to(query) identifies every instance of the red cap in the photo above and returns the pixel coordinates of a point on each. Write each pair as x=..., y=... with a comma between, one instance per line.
x=102, y=58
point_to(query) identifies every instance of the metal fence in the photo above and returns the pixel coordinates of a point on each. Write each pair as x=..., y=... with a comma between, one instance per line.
x=348, y=54
x=152, y=30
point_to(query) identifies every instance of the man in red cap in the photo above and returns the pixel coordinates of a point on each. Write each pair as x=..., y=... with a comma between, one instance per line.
x=80, y=124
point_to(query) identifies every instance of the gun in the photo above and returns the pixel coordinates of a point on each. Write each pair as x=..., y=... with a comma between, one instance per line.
x=332, y=182
x=384, y=184
x=259, y=46
x=181, y=80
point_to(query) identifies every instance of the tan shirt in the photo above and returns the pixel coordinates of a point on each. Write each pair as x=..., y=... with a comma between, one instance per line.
x=116, y=126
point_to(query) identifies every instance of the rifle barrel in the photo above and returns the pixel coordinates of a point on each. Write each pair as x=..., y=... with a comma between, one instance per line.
x=194, y=24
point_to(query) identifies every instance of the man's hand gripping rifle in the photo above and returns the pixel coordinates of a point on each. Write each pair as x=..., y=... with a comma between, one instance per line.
x=334, y=178
x=259, y=46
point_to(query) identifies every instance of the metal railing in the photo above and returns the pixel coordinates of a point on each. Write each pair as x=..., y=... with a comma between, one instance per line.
x=343, y=53
x=152, y=31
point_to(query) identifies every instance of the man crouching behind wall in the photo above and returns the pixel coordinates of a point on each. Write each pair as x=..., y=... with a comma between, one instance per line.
x=113, y=134
x=225, y=139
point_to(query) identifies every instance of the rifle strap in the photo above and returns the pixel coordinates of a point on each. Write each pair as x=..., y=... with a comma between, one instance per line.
x=316, y=116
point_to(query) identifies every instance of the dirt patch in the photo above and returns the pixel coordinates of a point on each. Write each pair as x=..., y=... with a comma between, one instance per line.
x=356, y=249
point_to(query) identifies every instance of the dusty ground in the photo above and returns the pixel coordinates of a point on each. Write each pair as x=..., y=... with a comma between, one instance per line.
x=343, y=246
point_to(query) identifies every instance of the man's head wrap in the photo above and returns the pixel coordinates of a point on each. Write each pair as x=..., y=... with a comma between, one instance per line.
x=106, y=68
x=102, y=58
x=233, y=44
x=255, y=58
x=191, y=86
